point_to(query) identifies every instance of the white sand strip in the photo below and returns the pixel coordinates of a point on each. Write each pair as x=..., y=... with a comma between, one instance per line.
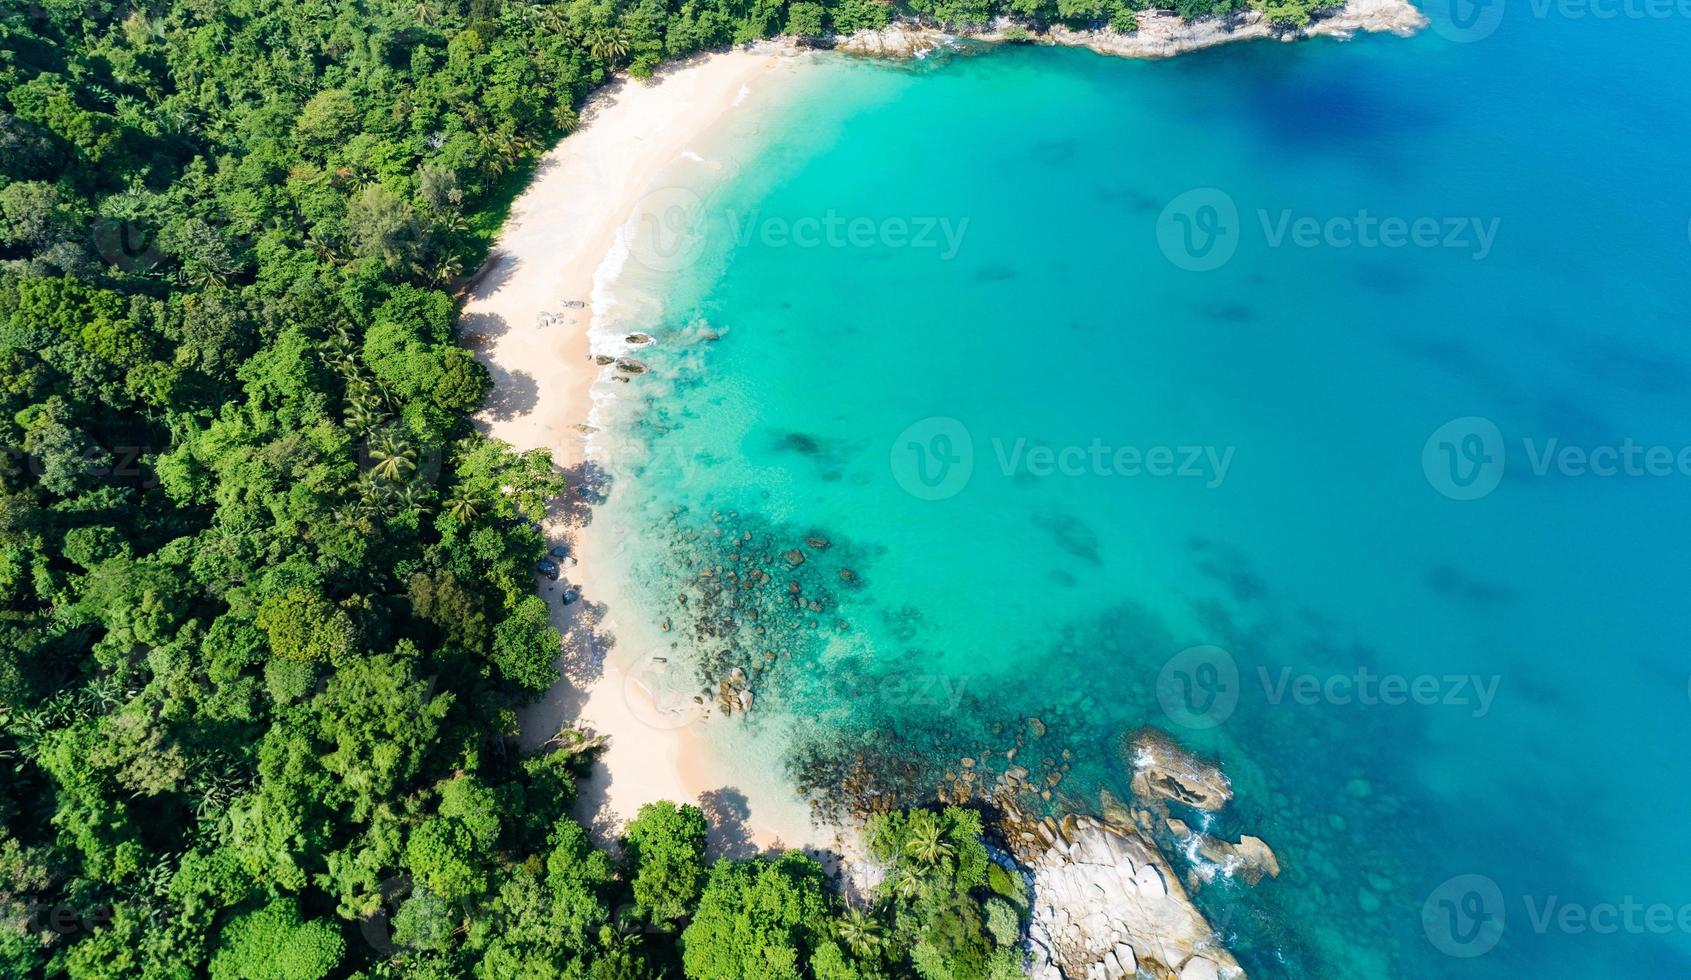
x=528, y=317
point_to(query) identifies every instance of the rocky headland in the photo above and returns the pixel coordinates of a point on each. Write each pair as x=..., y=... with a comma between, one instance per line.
x=1107, y=903
x=1161, y=33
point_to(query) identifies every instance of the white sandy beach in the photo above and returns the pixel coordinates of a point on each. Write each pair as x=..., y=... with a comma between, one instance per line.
x=528, y=317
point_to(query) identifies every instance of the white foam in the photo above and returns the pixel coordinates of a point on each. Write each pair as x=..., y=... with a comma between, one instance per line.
x=690, y=155
x=601, y=338
x=744, y=94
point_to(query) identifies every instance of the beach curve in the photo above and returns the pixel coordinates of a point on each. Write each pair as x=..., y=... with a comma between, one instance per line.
x=529, y=317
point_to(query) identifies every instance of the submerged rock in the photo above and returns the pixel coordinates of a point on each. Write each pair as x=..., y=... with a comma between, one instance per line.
x=1250, y=859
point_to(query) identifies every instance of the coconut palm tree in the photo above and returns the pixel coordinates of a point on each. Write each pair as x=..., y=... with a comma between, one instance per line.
x=361, y=419
x=909, y=883
x=441, y=270
x=926, y=844
x=608, y=43
x=392, y=458
x=463, y=507
x=861, y=932
x=545, y=14
x=413, y=495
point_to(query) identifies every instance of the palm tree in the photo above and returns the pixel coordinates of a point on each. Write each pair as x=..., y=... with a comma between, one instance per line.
x=392, y=458
x=463, y=507
x=909, y=883
x=860, y=931
x=926, y=844
x=443, y=269
x=545, y=14
x=361, y=420
x=608, y=44
x=494, y=148
x=412, y=495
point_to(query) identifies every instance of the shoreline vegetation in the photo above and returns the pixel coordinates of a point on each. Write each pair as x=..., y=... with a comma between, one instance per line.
x=1152, y=33
x=271, y=614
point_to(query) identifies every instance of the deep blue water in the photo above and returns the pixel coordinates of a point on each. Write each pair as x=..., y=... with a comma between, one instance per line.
x=1349, y=434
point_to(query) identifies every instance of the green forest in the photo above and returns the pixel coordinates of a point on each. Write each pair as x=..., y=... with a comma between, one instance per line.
x=268, y=602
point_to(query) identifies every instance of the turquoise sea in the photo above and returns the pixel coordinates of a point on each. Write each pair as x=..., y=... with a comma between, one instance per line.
x=1318, y=404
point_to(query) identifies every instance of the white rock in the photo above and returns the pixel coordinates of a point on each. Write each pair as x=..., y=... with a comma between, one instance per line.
x=1124, y=955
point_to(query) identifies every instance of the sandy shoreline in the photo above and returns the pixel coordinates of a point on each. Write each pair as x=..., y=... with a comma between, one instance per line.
x=529, y=318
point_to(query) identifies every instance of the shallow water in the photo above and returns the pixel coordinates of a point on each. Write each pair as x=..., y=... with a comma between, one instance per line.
x=1116, y=404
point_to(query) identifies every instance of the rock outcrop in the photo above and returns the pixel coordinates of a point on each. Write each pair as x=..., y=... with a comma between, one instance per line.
x=1107, y=906
x=1161, y=33
x=1162, y=770
x=900, y=39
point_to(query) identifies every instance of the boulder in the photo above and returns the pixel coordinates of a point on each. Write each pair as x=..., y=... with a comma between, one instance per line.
x=1106, y=903
x=1250, y=859
x=1162, y=770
